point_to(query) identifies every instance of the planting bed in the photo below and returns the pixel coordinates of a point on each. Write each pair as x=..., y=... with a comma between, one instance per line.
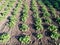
x=30, y=22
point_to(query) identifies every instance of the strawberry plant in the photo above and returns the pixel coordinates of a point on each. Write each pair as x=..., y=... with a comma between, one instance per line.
x=39, y=36
x=4, y=37
x=55, y=35
x=53, y=28
x=24, y=39
x=46, y=14
x=37, y=21
x=48, y=20
x=23, y=27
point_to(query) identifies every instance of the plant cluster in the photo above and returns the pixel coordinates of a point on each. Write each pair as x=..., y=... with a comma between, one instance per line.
x=24, y=39
x=4, y=38
x=37, y=19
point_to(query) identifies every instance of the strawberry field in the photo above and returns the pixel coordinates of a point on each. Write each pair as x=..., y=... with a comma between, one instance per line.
x=29, y=22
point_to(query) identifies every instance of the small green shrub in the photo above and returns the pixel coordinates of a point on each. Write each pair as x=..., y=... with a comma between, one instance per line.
x=24, y=27
x=39, y=36
x=24, y=39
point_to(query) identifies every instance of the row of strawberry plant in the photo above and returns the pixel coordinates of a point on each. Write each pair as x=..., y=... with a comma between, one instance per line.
x=24, y=15
x=48, y=4
x=43, y=8
x=13, y=18
x=37, y=19
x=7, y=9
x=53, y=11
x=46, y=14
x=25, y=39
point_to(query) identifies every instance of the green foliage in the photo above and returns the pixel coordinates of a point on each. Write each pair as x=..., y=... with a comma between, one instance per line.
x=46, y=14
x=55, y=3
x=37, y=19
x=58, y=20
x=4, y=4
x=0, y=0
x=53, y=11
x=7, y=9
x=4, y=37
x=37, y=23
x=12, y=21
x=53, y=28
x=24, y=15
x=34, y=6
x=39, y=36
x=43, y=8
x=24, y=39
x=48, y=20
x=55, y=35
x=38, y=27
x=23, y=27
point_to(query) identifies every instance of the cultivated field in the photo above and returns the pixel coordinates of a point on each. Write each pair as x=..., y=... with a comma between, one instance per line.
x=29, y=22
